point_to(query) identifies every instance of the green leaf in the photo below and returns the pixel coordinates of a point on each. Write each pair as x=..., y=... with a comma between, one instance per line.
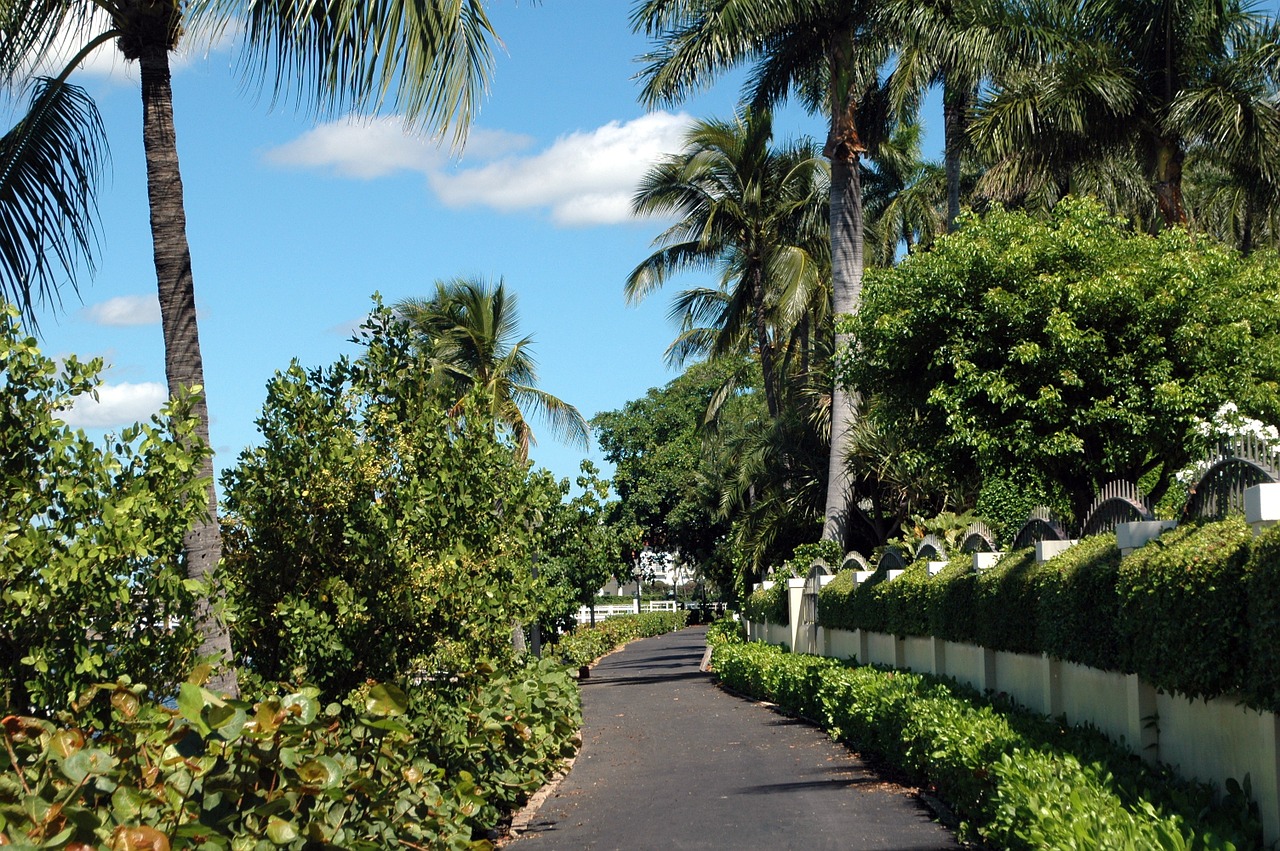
x=385, y=699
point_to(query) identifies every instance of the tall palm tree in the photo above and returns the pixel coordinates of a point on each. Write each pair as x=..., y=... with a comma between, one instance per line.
x=750, y=210
x=829, y=52
x=429, y=60
x=1146, y=80
x=470, y=331
x=50, y=164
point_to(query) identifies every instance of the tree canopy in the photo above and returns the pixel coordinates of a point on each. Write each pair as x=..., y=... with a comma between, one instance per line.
x=1073, y=348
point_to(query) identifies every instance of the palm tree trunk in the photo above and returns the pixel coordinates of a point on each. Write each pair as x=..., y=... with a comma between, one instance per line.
x=184, y=368
x=1168, y=158
x=846, y=294
x=955, y=113
x=762, y=340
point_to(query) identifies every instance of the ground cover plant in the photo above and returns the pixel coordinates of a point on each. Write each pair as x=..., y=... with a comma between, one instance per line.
x=1015, y=780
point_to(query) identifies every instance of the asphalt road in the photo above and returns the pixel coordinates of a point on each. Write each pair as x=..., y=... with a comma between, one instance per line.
x=669, y=760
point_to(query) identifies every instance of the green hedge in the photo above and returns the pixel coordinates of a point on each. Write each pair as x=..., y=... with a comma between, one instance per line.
x=1184, y=612
x=1016, y=780
x=768, y=605
x=586, y=644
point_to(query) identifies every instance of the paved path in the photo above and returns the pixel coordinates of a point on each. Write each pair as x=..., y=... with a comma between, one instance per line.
x=671, y=761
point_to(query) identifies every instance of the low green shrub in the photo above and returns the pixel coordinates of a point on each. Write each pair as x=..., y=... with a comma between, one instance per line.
x=586, y=644
x=768, y=605
x=1006, y=603
x=1017, y=780
x=726, y=629
x=381, y=770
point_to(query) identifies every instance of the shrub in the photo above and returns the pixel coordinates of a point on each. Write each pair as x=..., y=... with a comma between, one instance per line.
x=586, y=644
x=1018, y=780
x=92, y=572
x=382, y=771
x=1078, y=608
x=1005, y=604
x=1263, y=572
x=768, y=605
x=1182, y=609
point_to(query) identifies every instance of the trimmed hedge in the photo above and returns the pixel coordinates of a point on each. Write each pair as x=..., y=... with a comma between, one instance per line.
x=1017, y=780
x=586, y=644
x=1182, y=612
x=768, y=604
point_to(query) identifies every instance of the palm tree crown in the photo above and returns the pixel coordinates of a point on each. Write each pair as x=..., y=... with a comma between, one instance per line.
x=469, y=330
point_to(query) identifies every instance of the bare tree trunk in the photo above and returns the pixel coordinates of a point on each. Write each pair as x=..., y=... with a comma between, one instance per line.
x=846, y=294
x=184, y=368
x=761, y=327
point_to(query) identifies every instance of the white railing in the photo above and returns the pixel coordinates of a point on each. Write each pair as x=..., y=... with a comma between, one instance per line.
x=615, y=609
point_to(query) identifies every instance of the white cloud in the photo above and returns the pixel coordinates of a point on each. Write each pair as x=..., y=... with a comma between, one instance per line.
x=117, y=405
x=366, y=148
x=125, y=310
x=583, y=178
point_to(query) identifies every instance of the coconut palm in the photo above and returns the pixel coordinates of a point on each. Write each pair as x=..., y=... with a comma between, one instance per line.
x=1146, y=80
x=428, y=60
x=470, y=331
x=50, y=163
x=752, y=211
x=830, y=53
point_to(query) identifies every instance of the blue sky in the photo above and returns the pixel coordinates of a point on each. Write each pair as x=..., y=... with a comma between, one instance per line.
x=295, y=221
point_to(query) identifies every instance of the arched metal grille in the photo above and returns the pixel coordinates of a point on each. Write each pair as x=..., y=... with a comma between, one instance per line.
x=891, y=559
x=854, y=561
x=1236, y=467
x=1118, y=502
x=932, y=548
x=978, y=538
x=1040, y=526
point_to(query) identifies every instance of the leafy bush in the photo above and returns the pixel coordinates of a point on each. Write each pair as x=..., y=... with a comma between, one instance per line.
x=726, y=629
x=1078, y=607
x=1182, y=609
x=377, y=532
x=768, y=605
x=1006, y=604
x=586, y=644
x=384, y=770
x=1263, y=659
x=92, y=573
x=1018, y=780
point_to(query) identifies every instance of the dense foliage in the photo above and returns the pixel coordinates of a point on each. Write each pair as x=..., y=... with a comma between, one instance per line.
x=995, y=764
x=92, y=578
x=380, y=770
x=1181, y=611
x=1070, y=351
x=376, y=532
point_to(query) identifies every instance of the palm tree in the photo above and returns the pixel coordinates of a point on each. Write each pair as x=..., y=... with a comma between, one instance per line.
x=50, y=163
x=469, y=331
x=1143, y=80
x=430, y=62
x=750, y=210
x=830, y=52
x=904, y=196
